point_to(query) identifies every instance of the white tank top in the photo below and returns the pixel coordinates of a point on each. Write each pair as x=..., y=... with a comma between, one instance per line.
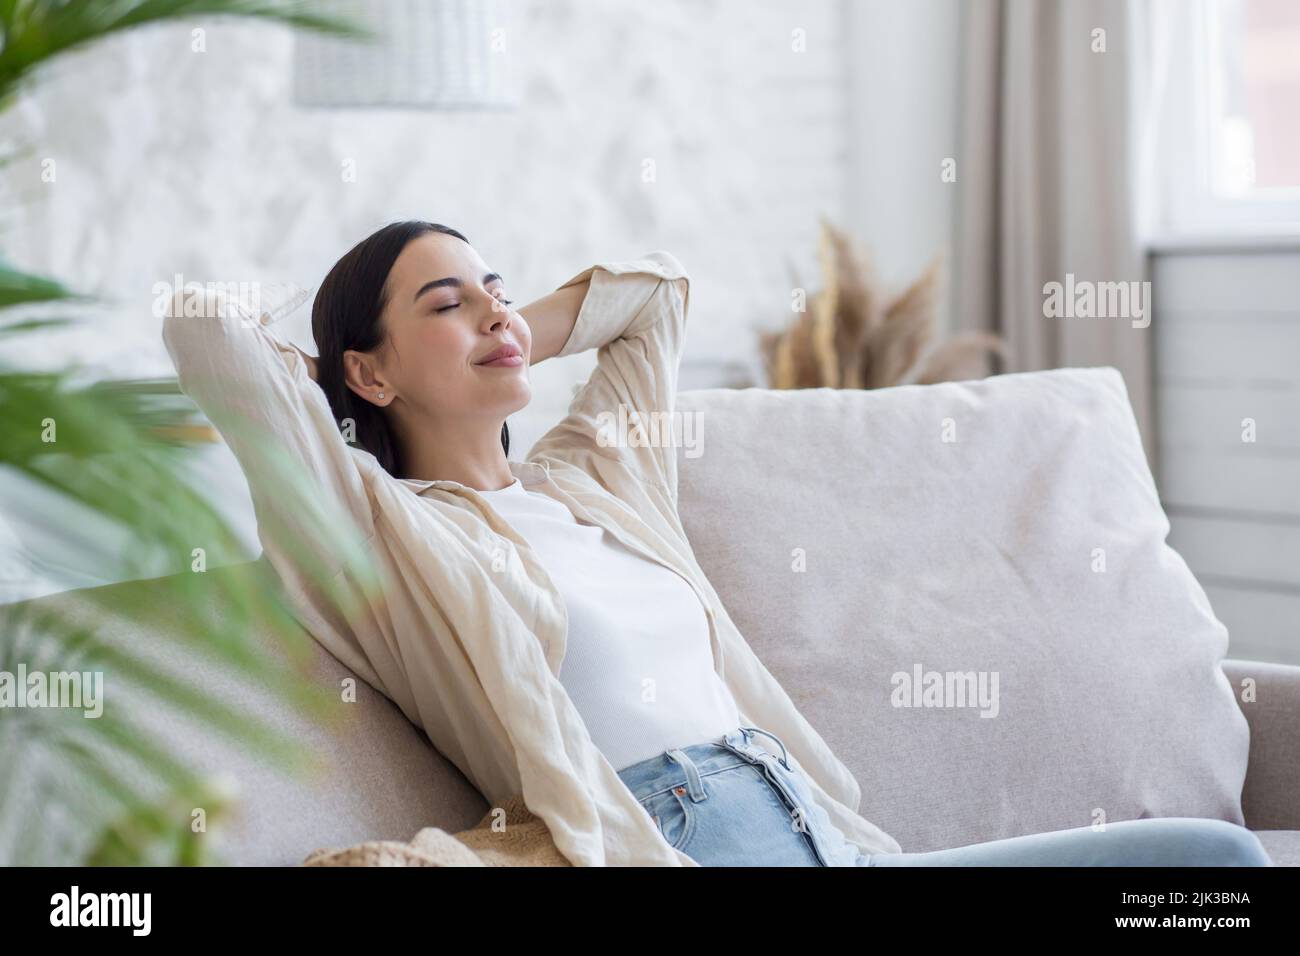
x=637, y=664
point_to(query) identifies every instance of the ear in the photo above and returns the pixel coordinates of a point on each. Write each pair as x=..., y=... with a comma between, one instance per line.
x=362, y=375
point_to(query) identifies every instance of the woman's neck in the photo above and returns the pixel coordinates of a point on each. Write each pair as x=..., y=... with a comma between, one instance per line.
x=475, y=458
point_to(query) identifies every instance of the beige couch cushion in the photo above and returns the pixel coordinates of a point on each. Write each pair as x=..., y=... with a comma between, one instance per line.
x=981, y=554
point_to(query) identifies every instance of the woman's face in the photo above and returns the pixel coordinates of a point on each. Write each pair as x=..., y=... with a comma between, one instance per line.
x=445, y=314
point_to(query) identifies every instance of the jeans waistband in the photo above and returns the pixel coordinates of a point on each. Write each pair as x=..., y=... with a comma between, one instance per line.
x=684, y=766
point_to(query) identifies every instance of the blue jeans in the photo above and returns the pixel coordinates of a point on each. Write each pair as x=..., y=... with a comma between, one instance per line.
x=730, y=802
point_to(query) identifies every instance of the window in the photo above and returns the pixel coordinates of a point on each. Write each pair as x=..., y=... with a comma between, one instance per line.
x=1226, y=76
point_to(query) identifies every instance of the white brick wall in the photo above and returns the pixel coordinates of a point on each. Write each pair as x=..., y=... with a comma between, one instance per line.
x=169, y=160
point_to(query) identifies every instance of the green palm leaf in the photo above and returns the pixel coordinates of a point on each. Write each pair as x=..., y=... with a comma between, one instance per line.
x=112, y=456
x=35, y=31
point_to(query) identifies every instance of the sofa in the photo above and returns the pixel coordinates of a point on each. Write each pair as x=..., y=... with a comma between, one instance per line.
x=964, y=587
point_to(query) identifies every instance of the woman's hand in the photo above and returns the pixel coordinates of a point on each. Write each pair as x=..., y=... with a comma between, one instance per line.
x=310, y=362
x=551, y=319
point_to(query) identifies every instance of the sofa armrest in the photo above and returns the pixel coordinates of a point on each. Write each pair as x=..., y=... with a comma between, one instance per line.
x=1271, y=797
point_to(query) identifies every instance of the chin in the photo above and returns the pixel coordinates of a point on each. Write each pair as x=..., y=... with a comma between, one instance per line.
x=524, y=397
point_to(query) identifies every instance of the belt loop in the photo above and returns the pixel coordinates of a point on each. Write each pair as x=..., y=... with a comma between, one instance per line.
x=693, y=781
x=784, y=756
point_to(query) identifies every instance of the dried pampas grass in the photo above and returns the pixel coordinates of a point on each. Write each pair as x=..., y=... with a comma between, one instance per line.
x=852, y=336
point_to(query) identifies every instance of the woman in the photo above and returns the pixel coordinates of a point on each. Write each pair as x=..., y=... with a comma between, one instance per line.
x=544, y=621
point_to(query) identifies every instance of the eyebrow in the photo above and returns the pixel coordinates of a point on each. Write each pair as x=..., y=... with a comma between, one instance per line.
x=451, y=281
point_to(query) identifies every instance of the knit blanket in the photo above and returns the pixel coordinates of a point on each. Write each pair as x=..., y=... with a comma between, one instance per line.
x=519, y=839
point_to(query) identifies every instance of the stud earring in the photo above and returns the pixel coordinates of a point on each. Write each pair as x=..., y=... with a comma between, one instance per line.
x=381, y=394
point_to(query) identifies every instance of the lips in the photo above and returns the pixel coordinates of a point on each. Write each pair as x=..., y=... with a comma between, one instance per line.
x=502, y=355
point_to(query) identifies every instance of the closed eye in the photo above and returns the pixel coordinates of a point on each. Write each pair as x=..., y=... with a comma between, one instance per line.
x=455, y=305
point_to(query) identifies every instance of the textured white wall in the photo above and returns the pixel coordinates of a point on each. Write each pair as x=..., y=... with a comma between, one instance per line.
x=903, y=75
x=169, y=160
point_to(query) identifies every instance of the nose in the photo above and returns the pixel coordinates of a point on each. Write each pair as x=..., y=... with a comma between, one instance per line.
x=497, y=314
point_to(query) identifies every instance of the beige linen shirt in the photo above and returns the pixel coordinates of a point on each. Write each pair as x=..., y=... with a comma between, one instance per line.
x=462, y=627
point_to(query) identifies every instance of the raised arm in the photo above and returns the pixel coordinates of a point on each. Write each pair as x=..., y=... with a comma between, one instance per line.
x=312, y=508
x=308, y=361
x=551, y=319
x=634, y=313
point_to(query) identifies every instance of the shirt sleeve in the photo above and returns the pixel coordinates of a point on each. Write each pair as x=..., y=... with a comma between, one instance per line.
x=313, y=512
x=634, y=314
